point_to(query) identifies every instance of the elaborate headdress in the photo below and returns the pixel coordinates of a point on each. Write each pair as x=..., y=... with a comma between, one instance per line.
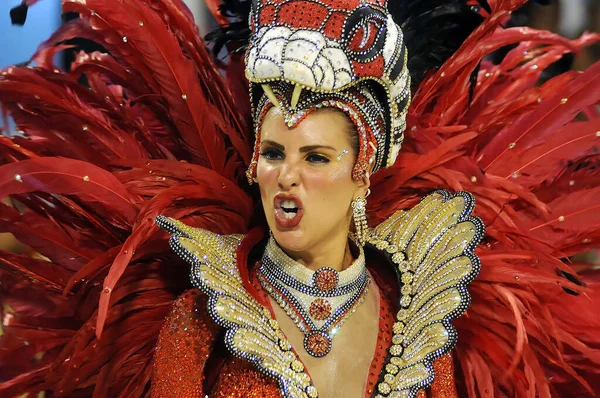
x=304, y=55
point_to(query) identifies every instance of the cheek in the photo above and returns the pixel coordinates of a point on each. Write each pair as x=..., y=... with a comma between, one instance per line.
x=333, y=188
x=340, y=173
x=266, y=175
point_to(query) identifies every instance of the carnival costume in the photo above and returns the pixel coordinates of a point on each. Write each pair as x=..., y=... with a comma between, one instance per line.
x=155, y=132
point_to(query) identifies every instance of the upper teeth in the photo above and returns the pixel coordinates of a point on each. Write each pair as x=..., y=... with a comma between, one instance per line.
x=288, y=204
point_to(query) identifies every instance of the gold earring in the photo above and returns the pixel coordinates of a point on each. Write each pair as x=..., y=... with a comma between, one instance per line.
x=359, y=214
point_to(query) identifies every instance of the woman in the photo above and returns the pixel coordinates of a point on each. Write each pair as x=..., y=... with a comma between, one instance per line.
x=311, y=279
x=318, y=141
x=316, y=298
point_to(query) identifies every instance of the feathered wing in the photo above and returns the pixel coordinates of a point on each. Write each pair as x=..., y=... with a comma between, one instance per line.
x=153, y=130
x=528, y=153
x=431, y=245
x=251, y=331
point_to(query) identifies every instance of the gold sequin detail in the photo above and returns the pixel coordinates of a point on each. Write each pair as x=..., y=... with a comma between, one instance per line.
x=436, y=239
x=252, y=333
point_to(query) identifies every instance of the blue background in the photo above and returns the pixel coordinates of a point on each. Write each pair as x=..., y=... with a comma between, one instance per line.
x=18, y=43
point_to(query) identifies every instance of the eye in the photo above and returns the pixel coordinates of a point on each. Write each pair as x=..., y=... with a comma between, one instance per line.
x=317, y=158
x=272, y=154
x=365, y=32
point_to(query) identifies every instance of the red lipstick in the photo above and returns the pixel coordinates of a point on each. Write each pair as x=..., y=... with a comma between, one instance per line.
x=288, y=210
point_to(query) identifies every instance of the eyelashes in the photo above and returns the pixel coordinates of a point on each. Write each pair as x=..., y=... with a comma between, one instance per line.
x=317, y=158
x=272, y=154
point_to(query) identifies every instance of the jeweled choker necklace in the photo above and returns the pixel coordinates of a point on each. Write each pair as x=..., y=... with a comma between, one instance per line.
x=319, y=302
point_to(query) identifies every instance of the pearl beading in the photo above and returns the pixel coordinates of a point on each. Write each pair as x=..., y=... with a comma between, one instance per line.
x=293, y=287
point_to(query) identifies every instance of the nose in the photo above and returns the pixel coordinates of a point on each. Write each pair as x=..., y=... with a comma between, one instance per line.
x=289, y=175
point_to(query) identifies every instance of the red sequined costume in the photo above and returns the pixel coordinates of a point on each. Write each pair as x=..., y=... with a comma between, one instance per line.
x=189, y=349
x=188, y=339
x=156, y=125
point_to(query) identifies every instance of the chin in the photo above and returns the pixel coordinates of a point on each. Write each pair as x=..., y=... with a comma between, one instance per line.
x=292, y=240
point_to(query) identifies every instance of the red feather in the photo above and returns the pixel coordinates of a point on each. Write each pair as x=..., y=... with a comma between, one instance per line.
x=577, y=139
x=546, y=118
x=173, y=72
x=54, y=276
x=68, y=177
x=146, y=150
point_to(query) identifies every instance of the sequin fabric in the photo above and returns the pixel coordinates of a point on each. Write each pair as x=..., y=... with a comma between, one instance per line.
x=444, y=384
x=184, y=345
x=431, y=247
x=384, y=338
x=239, y=379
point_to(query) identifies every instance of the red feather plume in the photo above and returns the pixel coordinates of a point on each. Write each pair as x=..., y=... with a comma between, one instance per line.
x=531, y=160
x=162, y=128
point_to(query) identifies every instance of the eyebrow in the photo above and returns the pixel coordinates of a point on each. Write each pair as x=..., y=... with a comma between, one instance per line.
x=307, y=148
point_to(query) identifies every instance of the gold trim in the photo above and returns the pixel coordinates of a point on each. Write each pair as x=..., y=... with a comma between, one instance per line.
x=432, y=247
x=251, y=332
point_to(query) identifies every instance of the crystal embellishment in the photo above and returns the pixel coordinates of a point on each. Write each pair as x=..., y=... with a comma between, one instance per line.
x=326, y=279
x=318, y=302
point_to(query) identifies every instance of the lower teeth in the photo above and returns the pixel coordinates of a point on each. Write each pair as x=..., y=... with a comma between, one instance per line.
x=289, y=216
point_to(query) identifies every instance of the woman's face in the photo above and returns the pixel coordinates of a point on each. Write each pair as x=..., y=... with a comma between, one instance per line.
x=305, y=178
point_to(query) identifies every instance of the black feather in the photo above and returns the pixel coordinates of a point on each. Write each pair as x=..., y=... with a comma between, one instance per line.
x=484, y=4
x=236, y=34
x=473, y=81
x=433, y=30
x=18, y=14
x=570, y=278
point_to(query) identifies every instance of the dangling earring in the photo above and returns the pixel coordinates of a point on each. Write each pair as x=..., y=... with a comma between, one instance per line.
x=359, y=214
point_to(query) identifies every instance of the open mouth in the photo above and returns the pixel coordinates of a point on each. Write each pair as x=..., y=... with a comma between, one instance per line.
x=288, y=210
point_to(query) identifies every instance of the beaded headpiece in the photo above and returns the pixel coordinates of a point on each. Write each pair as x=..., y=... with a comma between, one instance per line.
x=348, y=54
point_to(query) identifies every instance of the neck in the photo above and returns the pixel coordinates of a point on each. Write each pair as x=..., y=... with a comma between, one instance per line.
x=334, y=253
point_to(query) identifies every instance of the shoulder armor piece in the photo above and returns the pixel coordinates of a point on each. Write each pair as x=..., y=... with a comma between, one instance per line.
x=251, y=332
x=431, y=245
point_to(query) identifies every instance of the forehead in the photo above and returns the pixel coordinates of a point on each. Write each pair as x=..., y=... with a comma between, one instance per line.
x=319, y=127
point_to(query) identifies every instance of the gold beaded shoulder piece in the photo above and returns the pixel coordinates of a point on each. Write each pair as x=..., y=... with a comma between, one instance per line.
x=432, y=247
x=251, y=332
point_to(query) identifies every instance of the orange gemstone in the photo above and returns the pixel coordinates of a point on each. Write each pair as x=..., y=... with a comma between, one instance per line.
x=317, y=344
x=326, y=279
x=320, y=309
